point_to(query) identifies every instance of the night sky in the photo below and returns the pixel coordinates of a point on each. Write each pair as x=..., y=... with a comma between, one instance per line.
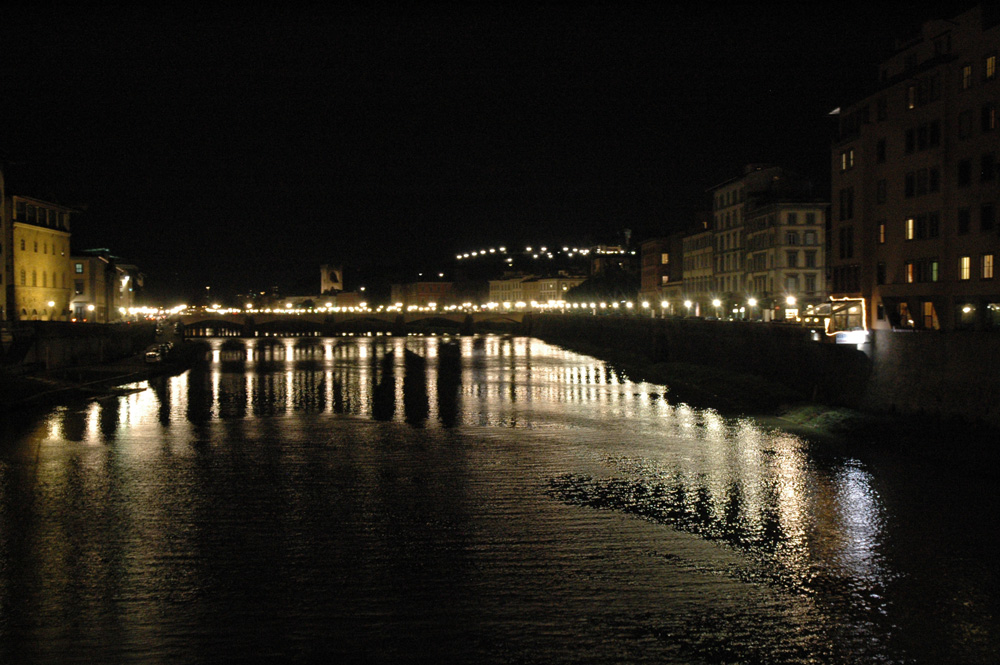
x=243, y=148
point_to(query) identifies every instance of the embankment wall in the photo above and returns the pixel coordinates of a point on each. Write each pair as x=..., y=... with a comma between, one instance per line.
x=945, y=375
x=53, y=345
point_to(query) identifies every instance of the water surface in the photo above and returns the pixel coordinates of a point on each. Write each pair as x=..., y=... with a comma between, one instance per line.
x=494, y=500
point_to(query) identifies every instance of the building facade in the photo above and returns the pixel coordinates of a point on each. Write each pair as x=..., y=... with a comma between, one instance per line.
x=769, y=244
x=38, y=259
x=662, y=273
x=915, y=235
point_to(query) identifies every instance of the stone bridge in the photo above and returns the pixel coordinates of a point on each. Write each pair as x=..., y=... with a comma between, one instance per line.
x=315, y=323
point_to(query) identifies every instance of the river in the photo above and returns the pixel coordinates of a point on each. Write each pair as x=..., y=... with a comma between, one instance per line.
x=487, y=500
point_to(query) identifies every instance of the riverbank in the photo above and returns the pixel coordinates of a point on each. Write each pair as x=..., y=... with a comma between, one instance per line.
x=30, y=390
x=773, y=404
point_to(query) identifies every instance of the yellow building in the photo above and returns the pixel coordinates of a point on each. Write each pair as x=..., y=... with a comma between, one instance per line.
x=38, y=257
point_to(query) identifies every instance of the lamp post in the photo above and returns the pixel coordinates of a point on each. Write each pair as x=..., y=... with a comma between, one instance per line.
x=751, y=303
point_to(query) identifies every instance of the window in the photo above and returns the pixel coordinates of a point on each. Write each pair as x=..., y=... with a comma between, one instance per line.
x=810, y=259
x=792, y=283
x=933, y=224
x=846, y=243
x=810, y=218
x=22, y=244
x=965, y=124
x=989, y=117
x=910, y=141
x=665, y=258
x=36, y=246
x=987, y=266
x=935, y=273
x=792, y=218
x=880, y=151
x=964, y=220
x=964, y=172
x=990, y=67
x=908, y=272
x=964, y=267
x=881, y=232
x=810, y=238
x=791, y=238
x=78, y=268
x=792, y=259
x=911, y=97
x=880, y=273
x=966, y=76
x=987, y=217
x=910, y=228
x=24, y=277
x=987, y=167
x=846, y=203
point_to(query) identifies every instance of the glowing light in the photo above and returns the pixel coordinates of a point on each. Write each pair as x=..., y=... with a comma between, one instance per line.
x=90, y=308
x=645, y=305
x=688, y=303
x=717, y=303
x=752, y=302
x=664, y=304
x=52, y=303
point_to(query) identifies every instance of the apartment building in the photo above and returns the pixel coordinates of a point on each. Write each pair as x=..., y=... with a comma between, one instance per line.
x=915, y=184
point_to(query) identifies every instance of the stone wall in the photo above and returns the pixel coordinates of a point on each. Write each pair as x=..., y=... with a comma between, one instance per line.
x=784, y=353
x=941, y=374
x=53, y=345
x=954, y=374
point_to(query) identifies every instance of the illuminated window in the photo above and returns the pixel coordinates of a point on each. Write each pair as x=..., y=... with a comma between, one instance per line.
x=934, y=271
x=966, y=77
x=910, y=277
x=987, y=266
x=910, y=225
x=665, y=258
x=881, y=233
x=964, y=267
x=78, y=267
x=990, y=66
x=911, y=97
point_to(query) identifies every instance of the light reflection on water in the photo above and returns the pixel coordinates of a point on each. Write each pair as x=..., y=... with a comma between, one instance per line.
x=512, y=500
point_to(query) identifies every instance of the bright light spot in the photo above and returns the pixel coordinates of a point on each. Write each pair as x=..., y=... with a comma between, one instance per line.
x=752, y=302
x=52, y=303
x=664, y=304
x=790, y=300
x=688, y=303
x=716, y=303
x=645, y=305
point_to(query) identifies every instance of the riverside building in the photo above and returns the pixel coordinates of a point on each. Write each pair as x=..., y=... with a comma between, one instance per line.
x=915, y=235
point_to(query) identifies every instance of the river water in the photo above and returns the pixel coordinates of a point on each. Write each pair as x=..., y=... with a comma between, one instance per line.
x=487, y=500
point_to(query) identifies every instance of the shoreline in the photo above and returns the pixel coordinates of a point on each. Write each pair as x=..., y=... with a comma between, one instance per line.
x=22, y=391
x=771, y=404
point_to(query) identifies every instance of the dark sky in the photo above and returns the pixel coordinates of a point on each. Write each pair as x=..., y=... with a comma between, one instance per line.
x=241, y=148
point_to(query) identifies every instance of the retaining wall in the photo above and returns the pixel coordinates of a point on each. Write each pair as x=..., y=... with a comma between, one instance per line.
x=53, y=345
